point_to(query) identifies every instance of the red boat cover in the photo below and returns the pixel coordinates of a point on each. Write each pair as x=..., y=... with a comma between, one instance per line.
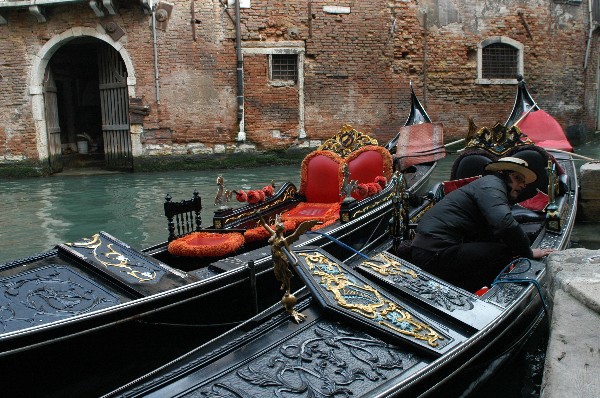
x=420, y=143
x=545, y=131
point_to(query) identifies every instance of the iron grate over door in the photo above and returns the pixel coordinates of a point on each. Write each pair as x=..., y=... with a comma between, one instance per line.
x=114, y=101
x=52, y=123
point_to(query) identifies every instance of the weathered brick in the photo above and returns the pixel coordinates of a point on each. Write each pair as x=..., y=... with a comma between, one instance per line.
x=357, y=68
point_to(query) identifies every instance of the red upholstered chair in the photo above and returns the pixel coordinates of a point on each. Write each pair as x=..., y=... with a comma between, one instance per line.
x=320, y=183
x=320, y=177
x=369, y=162
x=322, y=174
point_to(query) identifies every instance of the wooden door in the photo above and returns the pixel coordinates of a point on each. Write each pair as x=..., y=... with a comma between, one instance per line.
x=114, y=101
x=52, y=122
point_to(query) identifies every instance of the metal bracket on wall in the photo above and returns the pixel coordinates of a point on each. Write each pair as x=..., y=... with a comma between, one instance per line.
x=113, y=30
x=525, y=24
x=38, y=12
x=163, y=13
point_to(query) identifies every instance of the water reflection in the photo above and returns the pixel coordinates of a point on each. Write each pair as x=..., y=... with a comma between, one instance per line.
x=36, y=214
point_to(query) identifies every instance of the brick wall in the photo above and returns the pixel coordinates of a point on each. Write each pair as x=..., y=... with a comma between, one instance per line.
x=357, y=69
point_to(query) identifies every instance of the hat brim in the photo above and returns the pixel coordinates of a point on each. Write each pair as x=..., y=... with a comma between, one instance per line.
x=527, y=173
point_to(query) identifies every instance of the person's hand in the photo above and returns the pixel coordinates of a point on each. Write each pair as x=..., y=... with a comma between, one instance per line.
x=539, y=253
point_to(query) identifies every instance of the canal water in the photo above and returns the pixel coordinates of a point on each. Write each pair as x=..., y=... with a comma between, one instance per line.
x=36, y=214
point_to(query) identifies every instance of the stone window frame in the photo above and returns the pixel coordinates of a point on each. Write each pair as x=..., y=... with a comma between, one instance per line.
x=283, y=47
x=498, y=39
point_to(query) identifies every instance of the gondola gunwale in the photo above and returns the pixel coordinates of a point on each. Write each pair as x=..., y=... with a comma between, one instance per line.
x=120, y=313
x=402, y=385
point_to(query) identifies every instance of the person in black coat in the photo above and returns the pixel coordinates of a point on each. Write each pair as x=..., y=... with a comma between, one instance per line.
x=471, y=235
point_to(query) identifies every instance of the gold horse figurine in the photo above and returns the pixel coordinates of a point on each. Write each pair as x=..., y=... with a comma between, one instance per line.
x=281, y=251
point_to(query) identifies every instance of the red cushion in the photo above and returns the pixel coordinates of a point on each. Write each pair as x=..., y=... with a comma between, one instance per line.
x=365, y=167
x=368, y=163
x=312, y=211
x=320, y=179
x=450, y=186
x=206, y=244
x=537, y=203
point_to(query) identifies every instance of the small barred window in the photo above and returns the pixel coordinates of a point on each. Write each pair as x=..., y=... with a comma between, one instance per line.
x=499, y=61
x=284, y=67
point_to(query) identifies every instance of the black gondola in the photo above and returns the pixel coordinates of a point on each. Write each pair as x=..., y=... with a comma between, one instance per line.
x=378, y=326
x=523, y=104
x=417, y=115
x=81, y=292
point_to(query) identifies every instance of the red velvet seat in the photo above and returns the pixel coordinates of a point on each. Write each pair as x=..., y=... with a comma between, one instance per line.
x=368, y=163
x=320, y=177
x=206, y=244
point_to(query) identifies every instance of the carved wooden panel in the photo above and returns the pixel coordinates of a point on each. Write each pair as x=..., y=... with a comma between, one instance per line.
x=134, y=270
x=44, y=295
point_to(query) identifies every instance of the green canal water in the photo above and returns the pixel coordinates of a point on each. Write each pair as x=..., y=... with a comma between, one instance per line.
x=36, y=214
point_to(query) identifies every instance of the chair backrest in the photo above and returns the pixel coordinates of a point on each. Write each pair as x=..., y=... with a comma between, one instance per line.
x=369, y=162
x=183, y=217
x=470, y=164
x=320, y=177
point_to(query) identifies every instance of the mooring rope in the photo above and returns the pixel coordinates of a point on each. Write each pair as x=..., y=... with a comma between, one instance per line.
x=502, y=278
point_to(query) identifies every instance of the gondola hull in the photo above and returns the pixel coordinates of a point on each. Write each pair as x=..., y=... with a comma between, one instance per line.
x=380, y=326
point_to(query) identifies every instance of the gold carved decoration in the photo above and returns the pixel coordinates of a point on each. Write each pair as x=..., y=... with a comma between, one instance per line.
x=372, y=205
x=346, y=141
x=371, y=304
x=389, y=267
x=497, y=140
x=113, y=259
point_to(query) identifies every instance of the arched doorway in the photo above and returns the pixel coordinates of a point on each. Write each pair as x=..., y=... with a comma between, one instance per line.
x=86, y=106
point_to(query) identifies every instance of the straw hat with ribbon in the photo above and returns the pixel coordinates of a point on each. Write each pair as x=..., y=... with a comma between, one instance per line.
x=513, y=164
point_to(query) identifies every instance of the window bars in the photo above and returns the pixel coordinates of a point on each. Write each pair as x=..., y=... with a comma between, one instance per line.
x=499, y=61
x=284, y=67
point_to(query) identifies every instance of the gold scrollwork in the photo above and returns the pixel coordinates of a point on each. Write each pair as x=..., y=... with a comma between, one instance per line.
x=113, y=258
x=346, y=141
x=367, y=301
x=371, y=206
x=388, y=266
x=420, y=214
x=498, y=139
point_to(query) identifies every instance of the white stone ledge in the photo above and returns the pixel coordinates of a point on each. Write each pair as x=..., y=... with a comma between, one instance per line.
x=572, y=367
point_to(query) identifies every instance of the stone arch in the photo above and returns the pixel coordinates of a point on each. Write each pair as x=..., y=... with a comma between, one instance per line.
x=38, y=69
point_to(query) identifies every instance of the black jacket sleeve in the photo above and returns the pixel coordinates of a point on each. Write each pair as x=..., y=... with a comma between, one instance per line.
x=494, y=206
